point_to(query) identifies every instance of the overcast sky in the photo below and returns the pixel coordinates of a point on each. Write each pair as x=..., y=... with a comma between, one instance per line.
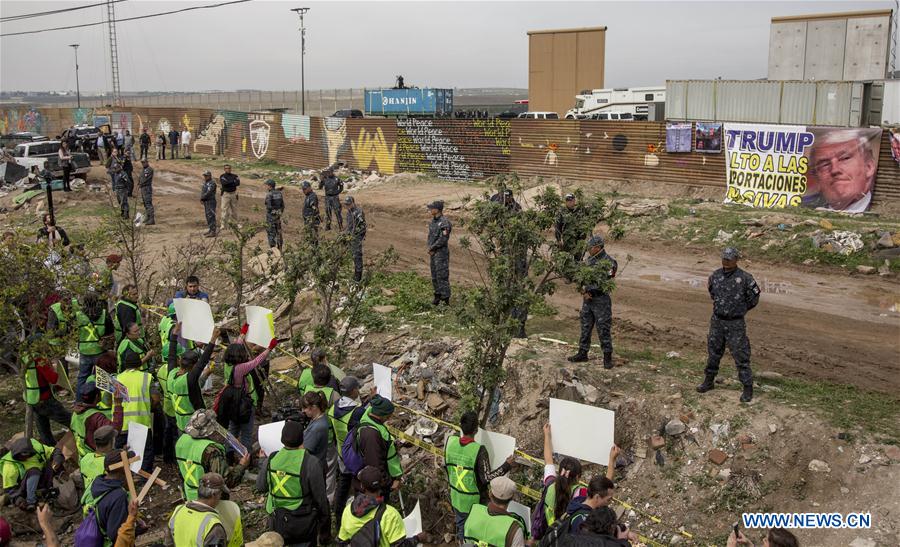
x=256, y=45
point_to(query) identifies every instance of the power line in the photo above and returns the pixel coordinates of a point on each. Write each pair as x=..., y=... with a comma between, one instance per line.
x=125, y=19
x=51, y=12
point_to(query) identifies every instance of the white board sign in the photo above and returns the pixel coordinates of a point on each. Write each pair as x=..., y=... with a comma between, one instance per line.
x=270, y=437
x=262, y=325
x=570, y=423
x=522, y=510
x=196, y=319
x=413, y=522
x=137, y=442
x=498, y=446
x=383, y=384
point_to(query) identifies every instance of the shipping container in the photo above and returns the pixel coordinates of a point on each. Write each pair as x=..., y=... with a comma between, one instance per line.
x=890, y=103
x=409, y=102
x=839, y=104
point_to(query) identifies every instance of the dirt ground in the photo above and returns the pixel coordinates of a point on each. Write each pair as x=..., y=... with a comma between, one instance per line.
x=811, y=324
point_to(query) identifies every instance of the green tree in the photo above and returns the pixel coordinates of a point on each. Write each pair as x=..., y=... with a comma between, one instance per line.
x=233, y=261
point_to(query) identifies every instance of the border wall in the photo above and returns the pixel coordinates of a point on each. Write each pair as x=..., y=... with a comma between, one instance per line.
x=578, y=150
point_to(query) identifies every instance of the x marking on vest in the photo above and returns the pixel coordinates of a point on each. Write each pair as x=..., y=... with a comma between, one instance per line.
x=280, y=480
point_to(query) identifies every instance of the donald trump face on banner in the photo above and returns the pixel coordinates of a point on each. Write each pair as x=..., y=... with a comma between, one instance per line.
x=842, y=171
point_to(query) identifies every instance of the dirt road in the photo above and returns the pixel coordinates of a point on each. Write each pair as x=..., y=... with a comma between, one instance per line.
x=825, y=326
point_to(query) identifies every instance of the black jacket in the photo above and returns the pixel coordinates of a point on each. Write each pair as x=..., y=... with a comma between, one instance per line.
x=229, y=182
x=112, y=510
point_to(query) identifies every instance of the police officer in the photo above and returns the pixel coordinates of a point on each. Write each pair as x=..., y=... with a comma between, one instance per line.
x=734, y=292
x=274, y=210
x=311, y=217
x=567, y=231
x=333, y=187
x=145, y=183
x=356, y=229
x=208, y=197
x=438, y=239
x=596, y=308
x=116, y=171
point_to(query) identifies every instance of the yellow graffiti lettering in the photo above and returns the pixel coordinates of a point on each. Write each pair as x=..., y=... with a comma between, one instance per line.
x=373, y=146
x=186, y=120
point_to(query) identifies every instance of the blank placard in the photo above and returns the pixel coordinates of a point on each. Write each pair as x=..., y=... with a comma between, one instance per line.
x=522, y=510
x=137, y=442
x=582, y=431
x=413, y=522
x=261, y=325
x=498, y=446
x=383, y=383
x=270, y=437
x=196, y=319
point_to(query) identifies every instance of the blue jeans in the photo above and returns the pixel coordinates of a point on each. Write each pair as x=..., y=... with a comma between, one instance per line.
x=243, y=432
x=85, y=368
x=460, y=525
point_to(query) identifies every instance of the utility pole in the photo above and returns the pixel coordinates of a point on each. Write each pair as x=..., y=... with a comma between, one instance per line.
x=113, y=52
x=301, y=12
x=77, y=87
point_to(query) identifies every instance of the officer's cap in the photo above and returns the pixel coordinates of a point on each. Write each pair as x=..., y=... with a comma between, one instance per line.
x=349, y=200
x=596, y=241
x=507, y=192
x=207, y=172
x=305, y=184
x=730, y=253
x=270, y=182
x=437, y=204
x=570, y=197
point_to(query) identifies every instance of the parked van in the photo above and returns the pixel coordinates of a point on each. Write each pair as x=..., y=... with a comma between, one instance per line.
x=539, y=116
x=613, y=116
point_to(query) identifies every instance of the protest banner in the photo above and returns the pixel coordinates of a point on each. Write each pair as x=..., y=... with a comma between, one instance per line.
x=567, y=421
x=781, y=166
x=498, y=446
x=708, y=138
x=262, y=325
x=105, y=382
x=196, y=319
x=678, y=137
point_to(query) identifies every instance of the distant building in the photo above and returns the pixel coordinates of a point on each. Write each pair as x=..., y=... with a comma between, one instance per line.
x=562, y=63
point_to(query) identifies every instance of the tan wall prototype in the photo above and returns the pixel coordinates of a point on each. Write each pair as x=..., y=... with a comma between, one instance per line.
x=561, y=64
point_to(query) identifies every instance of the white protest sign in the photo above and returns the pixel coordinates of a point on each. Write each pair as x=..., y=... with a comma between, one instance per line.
x=383, y=383
x=262, y=325
x=413, y=522
x=569, y=424
x=498, y=446
x=196, y=319
x=270, y=437
x=137, y=442
x=523, y=511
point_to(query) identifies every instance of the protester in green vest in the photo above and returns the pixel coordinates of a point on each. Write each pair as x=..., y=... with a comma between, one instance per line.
x=561, y=486
x=376, y=444
x=322, y=380
x=358, y=521
x=93, y=325
x=316, y=357
x=469, y=470
x=493, y=525
x=142, y=394
x=91, y=463
x=87, y=419
x=201, y=449
x=196, y=523
x=344, y=416
x=29, y=466
x=166, y=324
x=40, y=377
x=186, y=376
x=134, y=343
x=127, y=311
x=294, y=484
x=58, y=320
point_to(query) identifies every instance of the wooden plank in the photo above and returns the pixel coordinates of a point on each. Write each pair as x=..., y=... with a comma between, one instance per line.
x=128, y=478
x=150, y=481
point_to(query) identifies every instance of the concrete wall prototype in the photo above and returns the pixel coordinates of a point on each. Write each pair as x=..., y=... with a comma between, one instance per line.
x=562, y=64
x=577, y=150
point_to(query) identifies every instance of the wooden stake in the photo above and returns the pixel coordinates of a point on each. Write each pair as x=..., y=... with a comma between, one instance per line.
x=158, y=481
x=148, y=484
x=128, y=478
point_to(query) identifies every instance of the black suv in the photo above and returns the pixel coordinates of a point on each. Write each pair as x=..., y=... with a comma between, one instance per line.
x=347, y=114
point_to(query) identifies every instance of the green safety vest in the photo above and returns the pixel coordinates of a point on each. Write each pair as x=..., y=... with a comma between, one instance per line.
x=460, y=463
x=162, y=376
x=283, y=479
x=32, y=393
x=391, y=525
x=138, y=347
x=550, y=501
x=77, y=425
x=91, y=466
x=137, y=408
x=190, y=527
x=41, y=455
x=90, y=332
x=177, y=384
x=305, y=380
x=326, y=391
x=393, y=459
x=106, y=402
x=166, y=324
x=486, y=530
x=340, y=426
x=62, y=324
x=120, y=328
x=189, y=454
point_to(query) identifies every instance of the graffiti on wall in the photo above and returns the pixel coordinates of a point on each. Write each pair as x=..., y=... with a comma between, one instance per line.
x=121, y=121
x=163, y=126
x=210, y=137
x=25, y=120
x=335, y=137
x=497, y=130
x=82, y=116
x=423, y=147
x=259, y=133
x=295, y=127
x=372, y=146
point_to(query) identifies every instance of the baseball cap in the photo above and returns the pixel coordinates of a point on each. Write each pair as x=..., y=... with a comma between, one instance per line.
x=214, y=481
x=86, y=391
x=371, y=478
x=348, y=384
x=202, y=424
x=503, y=488
x=269, y=539
x=207, y=172
x=437, y=204
x=105, y=434
x=731, y=253
x=305, y=184
x=348, y=200
x=270, y=182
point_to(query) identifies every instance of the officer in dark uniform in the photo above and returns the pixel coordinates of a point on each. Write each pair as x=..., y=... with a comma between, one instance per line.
x=145, y=183
x=504, y=196
x=356, y=229
x=208, y=198
x=274, y=210
x=566, y=229
x=439, y=250
x=596, y=308
x=311, y=217
x=333, y=187
x=734, y=292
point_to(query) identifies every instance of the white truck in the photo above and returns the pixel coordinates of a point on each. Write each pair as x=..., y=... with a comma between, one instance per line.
x=34, y=154
x=641, y=102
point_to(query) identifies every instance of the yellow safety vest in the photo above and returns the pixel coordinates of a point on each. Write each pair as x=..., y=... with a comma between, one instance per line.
x=137, y=408
x=189, y=527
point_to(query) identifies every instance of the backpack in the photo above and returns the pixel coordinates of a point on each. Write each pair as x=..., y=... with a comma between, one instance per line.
x=353, y=460
x=370, y=533
x=234, y=404
x=538, y=516
x=89, y=532
x=556, y=532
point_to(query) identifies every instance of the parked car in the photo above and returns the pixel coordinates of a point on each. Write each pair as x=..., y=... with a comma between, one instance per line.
x=34, y=154
x=613, y=116
x=507, y=115
x=539, y=116
x=350, y=113
x=85, y=139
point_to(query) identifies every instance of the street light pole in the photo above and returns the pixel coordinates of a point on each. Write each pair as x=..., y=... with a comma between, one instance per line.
x=301, y=12
x=77, y=87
